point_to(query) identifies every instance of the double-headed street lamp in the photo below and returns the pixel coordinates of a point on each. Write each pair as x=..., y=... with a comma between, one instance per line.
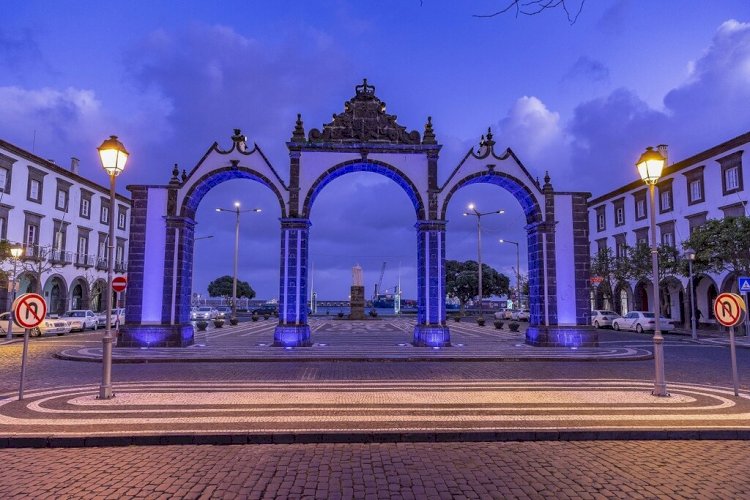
x=518, y=270
x=473, y=211
x=237, y=212
x=113, y=156
x=650, y=165
x=690, y=254
x=15, y=253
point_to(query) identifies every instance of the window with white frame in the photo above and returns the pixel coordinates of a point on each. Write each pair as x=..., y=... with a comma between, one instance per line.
x=105, y=214
x=4, y=178
x=732, y=178
x=601, y=220
x=696, y=190
x=85, y=207
x=620, y=216
x=121, y=219
x=32, y=235
x=62, y=199
x=731, y=172
x=35, y=190
x=3, y=228
x=640, y=208
x=665, y=199
x=667, y=239
x=83, y=245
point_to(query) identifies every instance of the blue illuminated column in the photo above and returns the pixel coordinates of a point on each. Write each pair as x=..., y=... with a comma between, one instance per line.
x=293, y=330
x=431, y=329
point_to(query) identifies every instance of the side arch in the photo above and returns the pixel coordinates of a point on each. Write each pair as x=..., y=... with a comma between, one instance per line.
x=514, y=186
x=197, y=190
x=56, y=293
x=375, y=166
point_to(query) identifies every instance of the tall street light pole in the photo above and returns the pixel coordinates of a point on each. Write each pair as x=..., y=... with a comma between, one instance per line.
x=650, y=165
x=690, y=254
x=237, y=213
x=113, y=156
x=473, y=211
x=15, y=253
x=518, y=270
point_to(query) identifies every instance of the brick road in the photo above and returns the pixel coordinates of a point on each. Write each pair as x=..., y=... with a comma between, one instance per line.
x=587, y=470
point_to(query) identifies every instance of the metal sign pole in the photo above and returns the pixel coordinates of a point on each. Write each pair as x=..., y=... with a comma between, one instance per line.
x=23, y=362
x=735, y=377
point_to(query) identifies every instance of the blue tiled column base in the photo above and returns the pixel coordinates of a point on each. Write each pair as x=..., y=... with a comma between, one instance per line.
x=431, y=336
x=155, y=336
x=292, y=336
x=562, y=336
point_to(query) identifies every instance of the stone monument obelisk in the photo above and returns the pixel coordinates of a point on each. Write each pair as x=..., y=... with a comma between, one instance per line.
x=357, y=300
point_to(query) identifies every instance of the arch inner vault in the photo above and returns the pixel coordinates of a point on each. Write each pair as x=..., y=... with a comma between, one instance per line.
x=361, y=138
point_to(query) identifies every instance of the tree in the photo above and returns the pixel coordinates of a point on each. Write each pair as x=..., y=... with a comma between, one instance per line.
x=462, y=281
x=722, y=245
x=222, y=287
x=572, y=8
x=611, y=269
x=46, y=259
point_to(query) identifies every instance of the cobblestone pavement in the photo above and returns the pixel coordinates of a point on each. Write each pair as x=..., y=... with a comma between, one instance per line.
x=363, y=340
x=586, y=470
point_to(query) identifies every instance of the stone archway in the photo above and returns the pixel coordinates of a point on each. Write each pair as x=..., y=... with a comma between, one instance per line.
x=79, y=293
x=56, y=294
x=361, y=138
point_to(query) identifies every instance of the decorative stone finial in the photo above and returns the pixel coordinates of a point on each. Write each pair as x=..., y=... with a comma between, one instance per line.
x=489, y=142
x=429, y=134
x=547, y=186
x=299, y=130
x=184, y=175
x=175, y=173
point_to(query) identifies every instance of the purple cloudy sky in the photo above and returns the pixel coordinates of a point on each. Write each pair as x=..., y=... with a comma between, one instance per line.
x=581, y=101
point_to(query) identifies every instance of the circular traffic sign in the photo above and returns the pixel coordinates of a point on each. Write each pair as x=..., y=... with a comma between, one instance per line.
x=729, y=309
x=119, y=284
x=29, y=310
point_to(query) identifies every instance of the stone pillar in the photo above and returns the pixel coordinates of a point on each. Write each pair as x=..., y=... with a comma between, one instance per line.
x=293, y=329
x=431, y=329
x=357, y=302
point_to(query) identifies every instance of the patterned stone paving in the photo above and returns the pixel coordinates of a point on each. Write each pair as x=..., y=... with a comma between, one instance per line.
x=387, y=339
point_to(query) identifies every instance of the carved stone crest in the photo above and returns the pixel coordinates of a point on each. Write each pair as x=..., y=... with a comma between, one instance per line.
x=364, y=120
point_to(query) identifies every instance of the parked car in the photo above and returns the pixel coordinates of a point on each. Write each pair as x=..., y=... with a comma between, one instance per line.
x=81, y=319
x=224, y=312
x=641, y=321
x=49, y=325
x=265, y=310
x=601, y=318
x=505, y=314
x=500, y=314
x=522, y=315
x=118, y=314
x=204, y=312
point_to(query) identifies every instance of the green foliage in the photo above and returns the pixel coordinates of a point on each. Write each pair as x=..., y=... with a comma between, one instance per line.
x=610, y=268
x=721, y=245
x=462, y=281
x=222, y=287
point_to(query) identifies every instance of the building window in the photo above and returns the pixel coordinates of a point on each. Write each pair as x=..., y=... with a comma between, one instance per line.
x=4, y=177
x=696, y=220
x=735, y=210
x=695, y=187
x=32, y=235
x=601, y=220
x=62, y=200
x=35, y=190
x=121, y=218
x=85, y=208
x=3, y=228
x=696, y=191
x=667, y=239
x=640, y=209
x=601, y=245
x=104, y=216
x=119, y=253
x=619, y=216
x=665, y=200
x=731, y=172
x=641, y=236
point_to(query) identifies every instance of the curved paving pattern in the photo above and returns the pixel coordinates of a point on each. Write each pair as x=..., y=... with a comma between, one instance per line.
x=294, y=407
x=387, y=339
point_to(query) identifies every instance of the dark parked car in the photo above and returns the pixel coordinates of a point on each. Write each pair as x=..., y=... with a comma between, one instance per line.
x=266, y=310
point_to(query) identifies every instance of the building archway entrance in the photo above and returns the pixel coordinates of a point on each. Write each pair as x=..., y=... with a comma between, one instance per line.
x=363, y=138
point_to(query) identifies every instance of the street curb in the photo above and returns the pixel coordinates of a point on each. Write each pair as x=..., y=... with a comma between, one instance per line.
x=363, y=359
x=371, y=437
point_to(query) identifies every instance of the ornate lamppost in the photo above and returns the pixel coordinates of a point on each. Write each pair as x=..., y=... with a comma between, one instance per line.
x=113, y=156
x=650, y=166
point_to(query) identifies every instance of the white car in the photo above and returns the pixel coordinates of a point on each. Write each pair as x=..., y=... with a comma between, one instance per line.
x=49, y=325
x=81, y=319
x=601, y=318
x=118, y=314
x=204, y=312
x=521, y=315
x=641, y=321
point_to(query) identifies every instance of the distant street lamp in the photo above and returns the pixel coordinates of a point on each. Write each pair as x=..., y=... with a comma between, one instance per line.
x=518, y=270
x=690, y=254
x=473, y=211
x=113, y=156
x=15, y=253
x=237, y=212
x=650, y=165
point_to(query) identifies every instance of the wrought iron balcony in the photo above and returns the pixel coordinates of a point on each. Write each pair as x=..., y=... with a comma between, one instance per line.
x=83, y=260
x=121, y=267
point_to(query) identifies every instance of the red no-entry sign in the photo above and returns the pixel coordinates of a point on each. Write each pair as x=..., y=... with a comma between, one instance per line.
x=29, y=310
x=119, y=284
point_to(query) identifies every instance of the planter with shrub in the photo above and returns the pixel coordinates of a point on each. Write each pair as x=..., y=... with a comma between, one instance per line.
x=254, y=317
x=233, y=321
x=499, y=324
x=373, y=313
x=514, y=326
x=202, y=325
x=480, y=321
x=218, y=323
x=457, y=318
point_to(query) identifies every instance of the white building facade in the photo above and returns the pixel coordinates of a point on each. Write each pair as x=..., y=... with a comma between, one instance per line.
x=708, y=185
x=62, y=221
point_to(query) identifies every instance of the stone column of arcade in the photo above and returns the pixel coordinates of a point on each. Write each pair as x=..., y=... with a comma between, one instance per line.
x=293, y=330
x=431, y=330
